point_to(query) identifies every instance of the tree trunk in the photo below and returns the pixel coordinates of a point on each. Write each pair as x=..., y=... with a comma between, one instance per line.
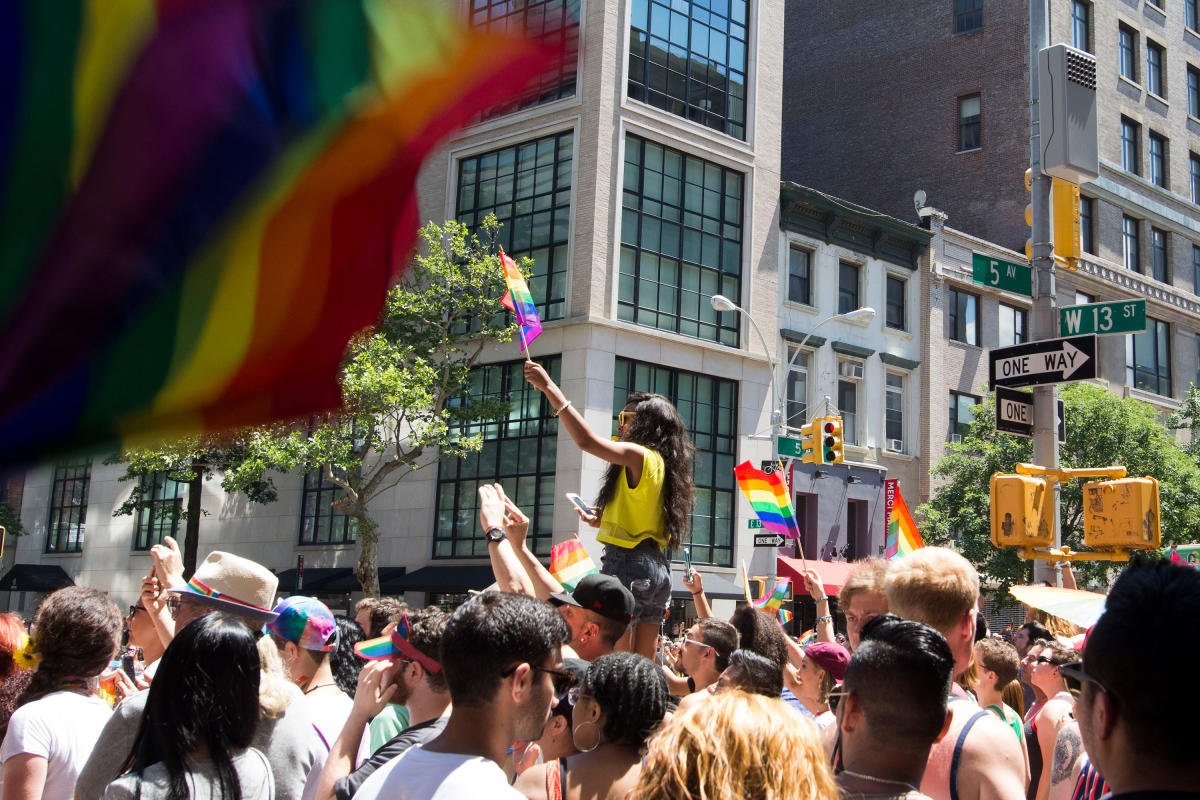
x=191, y=536
x=368, y=563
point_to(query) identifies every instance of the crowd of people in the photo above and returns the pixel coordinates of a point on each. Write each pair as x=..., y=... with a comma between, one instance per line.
x=527, y=690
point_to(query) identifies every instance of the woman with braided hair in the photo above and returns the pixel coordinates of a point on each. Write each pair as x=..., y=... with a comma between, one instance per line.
x=59, y=717
x=620, y=703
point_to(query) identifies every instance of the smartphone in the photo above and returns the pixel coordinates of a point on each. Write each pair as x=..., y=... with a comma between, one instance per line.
x=687, y=562
x=582, y=506
x=127, y=664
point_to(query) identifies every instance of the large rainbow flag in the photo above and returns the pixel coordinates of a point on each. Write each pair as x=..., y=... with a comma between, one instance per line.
x=519, y=301
x=202, y=201
x=902, y=536
x=768, y=496
x=570, y=562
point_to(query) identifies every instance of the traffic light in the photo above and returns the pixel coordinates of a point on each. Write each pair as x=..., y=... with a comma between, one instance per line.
x=832, y=446
x=1121, y=514
x=1064, y=216
x=810, y=445
x=1029, y=213
x=1021, y=511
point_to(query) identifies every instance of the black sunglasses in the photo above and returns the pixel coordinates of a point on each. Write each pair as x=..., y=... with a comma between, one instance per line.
x=1075, y=672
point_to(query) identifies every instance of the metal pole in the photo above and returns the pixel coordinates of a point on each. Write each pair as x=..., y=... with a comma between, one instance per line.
x=776, y=431
x=1045, y=429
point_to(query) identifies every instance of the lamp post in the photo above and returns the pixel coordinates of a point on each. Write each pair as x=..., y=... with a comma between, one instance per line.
x=720, y=303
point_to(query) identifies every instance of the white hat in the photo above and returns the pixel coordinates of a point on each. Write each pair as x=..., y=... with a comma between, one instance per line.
x=234, y=584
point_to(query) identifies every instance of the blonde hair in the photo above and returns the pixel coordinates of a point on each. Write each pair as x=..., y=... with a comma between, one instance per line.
x=867, y=576
x=932, y=585
x=736, y=745
x=275, y=690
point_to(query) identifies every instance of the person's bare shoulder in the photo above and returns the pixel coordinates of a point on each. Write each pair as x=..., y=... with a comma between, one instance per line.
x=993, y=764
x=532, y=782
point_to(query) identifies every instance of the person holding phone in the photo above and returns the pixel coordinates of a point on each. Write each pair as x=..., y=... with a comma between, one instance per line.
x=645, y=501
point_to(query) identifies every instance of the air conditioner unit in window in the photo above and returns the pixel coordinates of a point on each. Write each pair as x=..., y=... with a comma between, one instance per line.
x=895, y=445
x=956, y=437
x=851, y=369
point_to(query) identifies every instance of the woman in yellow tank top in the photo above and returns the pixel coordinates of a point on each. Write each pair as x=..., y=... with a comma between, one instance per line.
x=645, y=502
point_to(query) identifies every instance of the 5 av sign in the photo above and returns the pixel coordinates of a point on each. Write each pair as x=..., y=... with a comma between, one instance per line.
x=1047, y=361
x=999, y=274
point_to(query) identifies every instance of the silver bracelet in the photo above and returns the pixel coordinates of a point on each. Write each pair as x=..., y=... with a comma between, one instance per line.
x=826, y=618
x=562, y=408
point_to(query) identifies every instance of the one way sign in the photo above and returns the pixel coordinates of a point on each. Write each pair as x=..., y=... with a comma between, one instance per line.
x=1047, y=361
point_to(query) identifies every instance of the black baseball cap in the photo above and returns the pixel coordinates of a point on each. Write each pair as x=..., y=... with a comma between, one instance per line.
x=603, y=594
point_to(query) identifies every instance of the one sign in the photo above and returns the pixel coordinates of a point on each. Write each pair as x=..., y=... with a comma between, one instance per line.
x=1014, y=414
x=768, y=540
x=754, y=523
x=787, y=447
x=1123, y=316
x=1005, y=275
x=1047, y=361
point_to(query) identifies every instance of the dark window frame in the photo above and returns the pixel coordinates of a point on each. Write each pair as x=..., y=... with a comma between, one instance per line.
x=1191, y=14
x=1160, y=256
x=895, y=309
x=1131, y=146
x=1148, y=358
x=962, y=330
x=1131, y=243
x=1081, y=25
x=157, y=516
x=708, y=407
x=849, y=388
x=799, y=279
x=1127, y=45
x=849, y=294
x=519, y=452
x=338, y=528
x=528, y=186
x=681, y=241
x=970, y=128
x=1158, y=159
x=535, y=18
x=1087, y=224
x=1193, y=91
x=1194, y=177
x=957, y=425
x=1196, y=269
x=968, y=16
x=1156, y=68
x=894, y=416
x=66, y=526
x=797, y=373
x=1020, y=320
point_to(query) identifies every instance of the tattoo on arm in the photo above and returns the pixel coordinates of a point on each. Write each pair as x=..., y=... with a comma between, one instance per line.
x=1066, y=754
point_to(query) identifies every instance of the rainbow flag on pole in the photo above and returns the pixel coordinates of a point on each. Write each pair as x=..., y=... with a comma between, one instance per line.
x=785, y=616
x=202, y=202
x=902, y=536
x=520, y=301
x=775, y=599
x=570, y=562
x=768, y=496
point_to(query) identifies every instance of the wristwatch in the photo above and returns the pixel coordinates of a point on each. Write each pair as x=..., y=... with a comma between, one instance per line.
x=495, y=534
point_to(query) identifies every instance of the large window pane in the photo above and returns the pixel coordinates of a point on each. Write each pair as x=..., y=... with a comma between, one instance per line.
x=1130, y=244
x=159, y=512
x=1130, y=146
x=895, y=317
x=797, y=388
x=1127, y=52
x=968, y=15
x=1158, y=160
x=1148, y=358
x=708, y=407
x=893, y=408
x=1154, y=69
x=962, y=313
x=68, y=506
x=962, y=414
x=320, y=522
x=550, y=19
x=799, y=283
x=1012, y=325
x=689, y=57
x=969, y=123
x=847, y=401
x=519, y=452
x=848, y=276
x=528, y=187
x=681, y=234
x=1158, y=255
x=1081, y=35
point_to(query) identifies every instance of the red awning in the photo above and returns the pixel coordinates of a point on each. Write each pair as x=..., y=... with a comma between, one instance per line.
x=833, y=573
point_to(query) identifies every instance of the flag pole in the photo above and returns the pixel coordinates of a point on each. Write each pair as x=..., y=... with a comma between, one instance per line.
x=524, y=344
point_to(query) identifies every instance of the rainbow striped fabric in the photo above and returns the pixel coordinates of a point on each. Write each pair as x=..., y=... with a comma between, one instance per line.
x=807, y=639
x=775, y=599
x=785, y=616
x=201, y=202
x=768, y=496
x=570, y=562
x=519, y=301
x=902, y=536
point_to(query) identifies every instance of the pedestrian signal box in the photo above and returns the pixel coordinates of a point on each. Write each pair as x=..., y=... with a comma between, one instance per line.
x=1121, y=514
x=1021, y=511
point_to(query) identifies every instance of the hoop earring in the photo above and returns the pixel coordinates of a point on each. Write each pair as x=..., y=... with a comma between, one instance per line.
x=575, y=742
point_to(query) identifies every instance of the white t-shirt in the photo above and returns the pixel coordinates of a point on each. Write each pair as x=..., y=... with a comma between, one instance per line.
x=419, y=774
x=253, y=773
x=329, y=711
x=62, y=728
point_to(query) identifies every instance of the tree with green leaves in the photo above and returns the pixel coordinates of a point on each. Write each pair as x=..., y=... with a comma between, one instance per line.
x=191, y=461
x=405, y=386
x=1102, y=429
x=1187, y=418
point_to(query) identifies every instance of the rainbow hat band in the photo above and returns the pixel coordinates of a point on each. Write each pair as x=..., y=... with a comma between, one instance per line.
x=306, y=622
x=396, y=645
x=197, y=587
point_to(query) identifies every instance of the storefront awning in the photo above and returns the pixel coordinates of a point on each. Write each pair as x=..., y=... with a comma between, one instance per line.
x=449, y=579
x=347, y=583
x=35, y=578
x=833, y=573
x=315, y=579
x=716, y=587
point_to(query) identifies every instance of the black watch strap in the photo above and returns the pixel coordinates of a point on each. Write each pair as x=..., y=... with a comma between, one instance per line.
x=495, y=534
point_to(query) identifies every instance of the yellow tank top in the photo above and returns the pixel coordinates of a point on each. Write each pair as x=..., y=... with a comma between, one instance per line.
x=634, y=515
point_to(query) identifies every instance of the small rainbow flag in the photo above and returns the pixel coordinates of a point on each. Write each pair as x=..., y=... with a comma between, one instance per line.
x=902, y=535
x=785, y=616
x=202, y=202
x=775, y=599
x=807, y=638
x=768, y=496
x=570, y=562
x=520, y=301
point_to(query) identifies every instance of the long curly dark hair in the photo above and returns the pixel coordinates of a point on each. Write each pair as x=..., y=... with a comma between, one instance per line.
x=657, y=426
x=343, y=661
x=205, y=697
x=76, y=631
x=632, y=692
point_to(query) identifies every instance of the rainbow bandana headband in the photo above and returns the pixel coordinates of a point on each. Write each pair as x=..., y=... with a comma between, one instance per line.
x=396, y=644
x=196, y=587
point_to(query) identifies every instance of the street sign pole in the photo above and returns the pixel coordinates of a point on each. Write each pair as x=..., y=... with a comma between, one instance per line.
x=1045, y=320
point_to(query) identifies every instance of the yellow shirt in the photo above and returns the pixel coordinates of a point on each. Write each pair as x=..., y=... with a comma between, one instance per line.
x=634, y=515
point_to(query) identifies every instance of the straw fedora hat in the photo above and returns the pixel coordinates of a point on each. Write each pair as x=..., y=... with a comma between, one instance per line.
x=233, y=584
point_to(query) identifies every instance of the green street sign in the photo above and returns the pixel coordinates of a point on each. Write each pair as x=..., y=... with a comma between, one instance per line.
x=754, y=523
x=789, y=448
x=1004, y=275
x=1122, y=316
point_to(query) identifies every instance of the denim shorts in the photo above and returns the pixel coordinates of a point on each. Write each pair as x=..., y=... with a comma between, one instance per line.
x=644, y=571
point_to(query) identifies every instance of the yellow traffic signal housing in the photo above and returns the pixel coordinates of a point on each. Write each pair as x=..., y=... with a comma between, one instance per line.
x=1064, y=202
x=1029, y=214
x=1021, y=511
x=1121, y=514
x=810, y=442
x=832, y=447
